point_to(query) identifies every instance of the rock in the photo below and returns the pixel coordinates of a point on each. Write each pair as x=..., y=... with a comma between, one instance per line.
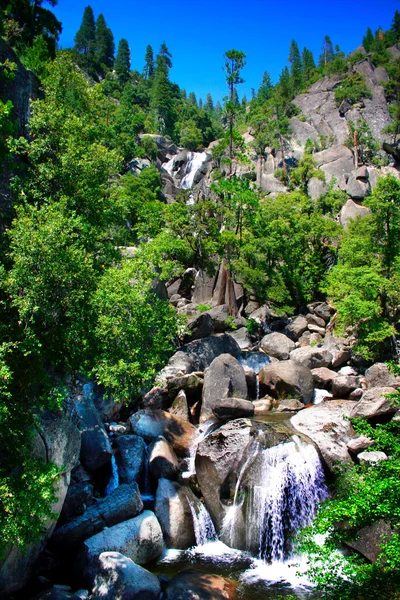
x=174, y=515
x=379, y=376
x=174, y=298
x=78, y=498
x=131, y=455
x=224, y=378
x=278, y=345
x=96, y=449
x=323, y=377
x=336, y=161
x=343, y=385
x=262, y=406
x=315, y=329
x=327, y=425
x=288, y=378
x=156, y=398
x=324, y=311
x=220, y=316
x=271, y=185
x=370, y=538
x=55, y=594
x=179, y=407
x=203, y=288
x=359, y=444
x=394, y=51
x=351, y=210
x=104, y=403
x=356, y=394
x=123, y=503
x=315, y=320
x=374, y=404
x=118, y=577
x=289, y=405
x=358, y=186
x=242, y=338
x=198, y=355
x=338, y=348
x=139, y=539
x=371, y=458
x=151, y=424
x=312, y=357
x=191, y=584
x=163, y=462
x=358, y=50
x=199, y=327
x=316, y=188
x=296, y=327
x=233, y=408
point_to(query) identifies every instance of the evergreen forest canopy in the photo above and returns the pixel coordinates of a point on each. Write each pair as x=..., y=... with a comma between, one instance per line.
x=72, y=300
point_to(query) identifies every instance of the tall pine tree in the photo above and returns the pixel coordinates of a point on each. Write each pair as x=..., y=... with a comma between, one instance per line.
x=148, y=71
x=85, y=39
x=209, y=105
x=162, y=98
x=122, y=63
x=327, y=53
x=296, y=67
x=265, y=89
x=105, y=46
x=308, y=64
x=165, y=55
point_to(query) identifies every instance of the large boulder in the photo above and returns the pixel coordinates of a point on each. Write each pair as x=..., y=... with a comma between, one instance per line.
x=343, y=385
x=328, y=426
x=163, y=462
x=173, y=512
x=228, y=409
x=140, y=539
x=131, y=456
x=379, y=376
x=336, y=162
x=220, y=316
x=224, y=378
x=323, y=377
x=351, y=210
x=180, y=407
x=370, y=539
x=192, y=584
x=312, y=357
x=198, y=355
x=117, y=576
x=199, y=327
x=374, y=404
x=151, y=424
x=289, y=378
x=242, y=337
x=296, y=327
x=278, y=345
x=96, y=449
x=123, y=503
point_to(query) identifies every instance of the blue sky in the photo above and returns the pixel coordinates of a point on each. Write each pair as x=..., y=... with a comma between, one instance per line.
x=198, y=33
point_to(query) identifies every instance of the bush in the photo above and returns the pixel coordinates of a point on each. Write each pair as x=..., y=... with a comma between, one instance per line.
x=352, y=89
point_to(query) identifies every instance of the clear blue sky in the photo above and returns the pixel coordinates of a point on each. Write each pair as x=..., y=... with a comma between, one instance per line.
x=198, y=33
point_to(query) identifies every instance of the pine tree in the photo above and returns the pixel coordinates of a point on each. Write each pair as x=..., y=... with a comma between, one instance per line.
x=368, y=40
x=209, y=106
x=200, y=103
x=327, y=53
x=122, y=63
x=85, y=39
x=296, y=67
x=105, y=46
x=395, y=28
x=265, y=89
x=235, y=60
x=192, y=98
x=148, y=70
x=162, y=98
x=308, y=64
x=166, y=55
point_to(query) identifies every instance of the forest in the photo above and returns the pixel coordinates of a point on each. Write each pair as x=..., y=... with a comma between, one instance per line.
x=90, y=230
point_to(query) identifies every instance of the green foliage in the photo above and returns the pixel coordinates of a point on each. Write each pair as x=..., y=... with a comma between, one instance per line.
x=203, y=307
x=367, y=147
x=85, y=40
x=122, y=63
x=105, y=46
x=352, y=89
x=304, y=172
x=190, y=136
x=230, y=322
x=252, y=326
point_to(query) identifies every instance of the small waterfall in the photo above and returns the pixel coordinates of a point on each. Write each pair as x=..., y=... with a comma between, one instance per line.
x=204, y=529
x=194, y=163
x=201, y=433
x=114, y=479
x=277, y=492
x=320, y=395
x=254, y=361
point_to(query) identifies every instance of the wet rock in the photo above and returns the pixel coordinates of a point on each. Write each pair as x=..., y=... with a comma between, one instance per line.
x=224, y=378
x=79, y=497
x=140, y=539
x=198, y=355
x=343, y=385
x=374, y=404
x=192, y=584
x=228, y=409
x=163, y=462
x=312, y=357
x=180, y=407
x=174, y=515
x=296, y=327
x=327, y=425
x=289, y=405
x=371, y=458
x=95, y=447
x=263, y=406
x=199, y=327
x=117, y=576
x=123, y=503
x=131, y=454
x=151, y=424
x=278, y=345
x=288, y=378
x=323, y=377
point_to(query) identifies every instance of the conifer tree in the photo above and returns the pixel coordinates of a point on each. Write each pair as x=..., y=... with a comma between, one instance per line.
x=200, y=103
x=166, y=55
x=368, y=40
x=122, y=63
x=296, y=67
x=85, y=39
x=105, y=46
x=162, y=97
x=395, y=28
x=192, y=98
x=209, y=106
x=235, y=60
x=308, y=64
x=148, y=70
x=265, y=89
x=327, y=53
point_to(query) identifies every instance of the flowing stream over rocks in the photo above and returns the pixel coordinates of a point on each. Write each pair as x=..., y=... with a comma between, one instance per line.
x=192, y=166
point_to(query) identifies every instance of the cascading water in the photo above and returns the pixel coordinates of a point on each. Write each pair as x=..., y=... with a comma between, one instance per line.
x=254, y=361
x=204, y=529
x=277, y=492
x=201, y=433
x=194, y=162
x=113, y=482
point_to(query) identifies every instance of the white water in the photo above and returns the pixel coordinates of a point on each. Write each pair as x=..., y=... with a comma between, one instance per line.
x=201, y=433
x=203, y=526
x=320, y=395
x=195, y=161
x=277, y=493
x=114, y=479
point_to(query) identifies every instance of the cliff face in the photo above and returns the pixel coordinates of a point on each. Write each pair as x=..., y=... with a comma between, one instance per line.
x=21, y=90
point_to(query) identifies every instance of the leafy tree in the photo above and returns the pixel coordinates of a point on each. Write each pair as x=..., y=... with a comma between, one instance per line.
x=122, y=63
x=37, y=57
x=304, y=172
x=148, y=70
x=234, y=62
x=191, y=136
x=105, y=46
x=85, y=39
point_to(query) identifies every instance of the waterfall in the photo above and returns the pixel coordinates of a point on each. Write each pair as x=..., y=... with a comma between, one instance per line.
x=113, y=482
x=204, y=530
x=194, y=163
x=320, y=395
x=277, y=492
x=201, y=433
x=254, y=361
